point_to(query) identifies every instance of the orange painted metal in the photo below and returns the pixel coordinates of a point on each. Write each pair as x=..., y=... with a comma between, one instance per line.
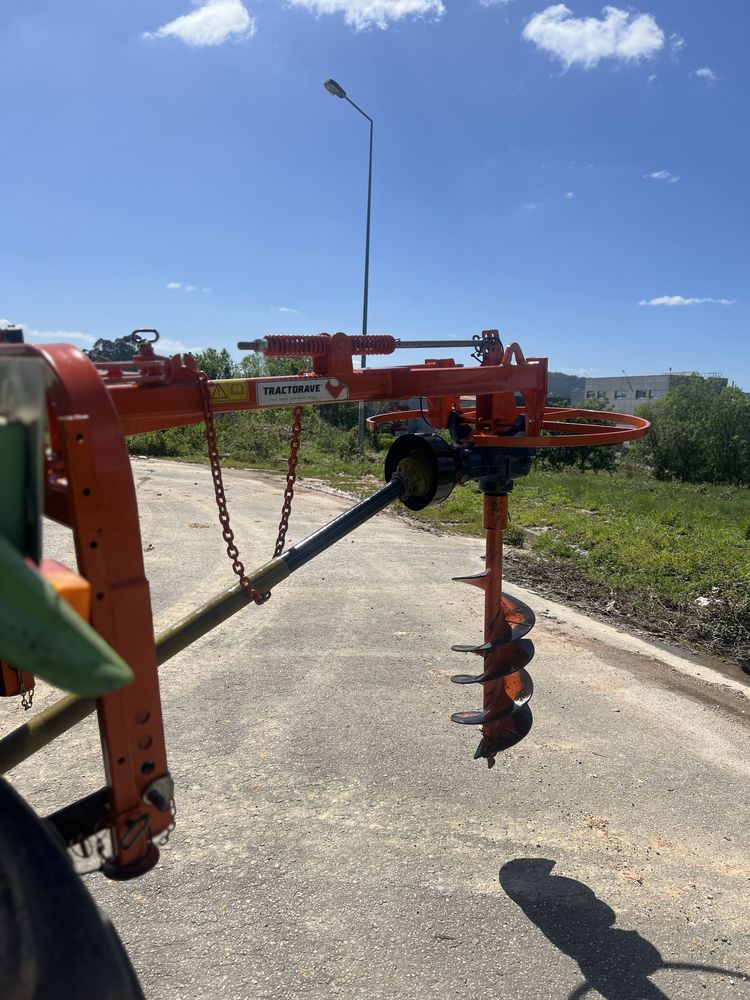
x=90, y=487
x=76, y=592
x=71, y=587
x=14, y=682
x=175, y=401
x=556, y=422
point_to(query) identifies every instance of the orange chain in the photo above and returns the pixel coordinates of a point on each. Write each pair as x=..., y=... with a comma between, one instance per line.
x=221, y=499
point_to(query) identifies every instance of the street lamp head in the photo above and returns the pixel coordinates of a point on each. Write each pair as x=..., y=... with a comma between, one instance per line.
x=333, y=88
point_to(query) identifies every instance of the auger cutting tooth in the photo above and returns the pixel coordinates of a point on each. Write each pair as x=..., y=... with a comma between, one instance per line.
x=515, y=728
x=514, y=656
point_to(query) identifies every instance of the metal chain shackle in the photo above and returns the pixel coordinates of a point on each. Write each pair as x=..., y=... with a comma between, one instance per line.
x=221, y=500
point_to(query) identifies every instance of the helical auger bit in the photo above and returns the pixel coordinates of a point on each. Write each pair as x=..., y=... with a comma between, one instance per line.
x=434, y=467
x=506, y=716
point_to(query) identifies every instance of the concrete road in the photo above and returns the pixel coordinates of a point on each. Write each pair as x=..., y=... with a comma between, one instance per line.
x=335, y=837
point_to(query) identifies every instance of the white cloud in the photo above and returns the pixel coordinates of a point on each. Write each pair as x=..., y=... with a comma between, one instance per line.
x=178, y=286
x=662, y=175
x=569, y=195
x=167, y=346
x=585, y=41
x=363, y=14
x=676, y=43
x=705, y=73
x=581, y=372
x=653, y=78
x=68, y=336
x=287, y=309
x=531, y=205
x=680, y=300
x=211, y=23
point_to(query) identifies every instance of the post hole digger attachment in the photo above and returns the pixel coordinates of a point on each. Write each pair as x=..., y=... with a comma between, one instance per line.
x=491, y=416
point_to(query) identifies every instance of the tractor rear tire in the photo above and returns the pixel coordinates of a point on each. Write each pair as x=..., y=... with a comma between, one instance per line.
x=55, y=944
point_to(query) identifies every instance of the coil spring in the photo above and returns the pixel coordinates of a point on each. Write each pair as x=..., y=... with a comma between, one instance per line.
x=376, y=343
x=506, y=716
x=294, y=345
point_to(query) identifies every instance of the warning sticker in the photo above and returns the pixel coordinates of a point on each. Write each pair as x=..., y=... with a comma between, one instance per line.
x=230, y=391
x=291, y=392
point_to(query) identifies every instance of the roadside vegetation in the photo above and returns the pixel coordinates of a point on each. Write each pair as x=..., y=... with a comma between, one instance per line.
x=671, y=558
x=657, y=537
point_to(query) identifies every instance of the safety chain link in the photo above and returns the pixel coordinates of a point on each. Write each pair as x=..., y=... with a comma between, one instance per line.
x=221, y=500
x=27, y=697
x=164, y=839
x=291, y=478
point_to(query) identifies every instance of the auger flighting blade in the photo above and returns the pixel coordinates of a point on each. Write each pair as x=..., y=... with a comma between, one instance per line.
x=515, y=656
x=517, y=632
x=518, y=615
x=473, y=579
x=476, y=717
x=505, y=716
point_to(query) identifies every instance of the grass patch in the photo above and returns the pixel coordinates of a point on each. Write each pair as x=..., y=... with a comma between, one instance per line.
x=675, y=557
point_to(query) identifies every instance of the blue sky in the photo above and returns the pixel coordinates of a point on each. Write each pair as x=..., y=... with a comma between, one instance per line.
x=575, y=176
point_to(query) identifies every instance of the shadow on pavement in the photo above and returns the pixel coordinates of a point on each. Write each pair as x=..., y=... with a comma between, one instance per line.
x=616, y=963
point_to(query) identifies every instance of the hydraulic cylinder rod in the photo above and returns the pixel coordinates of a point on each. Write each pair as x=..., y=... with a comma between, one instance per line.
x=52, y=722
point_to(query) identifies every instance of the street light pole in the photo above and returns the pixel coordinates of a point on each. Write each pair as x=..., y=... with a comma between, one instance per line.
x=338, y=91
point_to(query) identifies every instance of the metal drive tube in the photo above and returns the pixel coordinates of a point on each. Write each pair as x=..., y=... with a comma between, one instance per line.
x=320, y=540
x=52, y=722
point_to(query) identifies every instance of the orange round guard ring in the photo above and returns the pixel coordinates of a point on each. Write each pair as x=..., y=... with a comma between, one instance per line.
x=627, y=427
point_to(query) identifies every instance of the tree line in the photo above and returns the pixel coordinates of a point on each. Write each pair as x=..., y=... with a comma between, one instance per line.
x=700, y=433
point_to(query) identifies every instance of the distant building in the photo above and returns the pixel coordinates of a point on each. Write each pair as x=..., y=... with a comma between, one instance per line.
x=623, y=393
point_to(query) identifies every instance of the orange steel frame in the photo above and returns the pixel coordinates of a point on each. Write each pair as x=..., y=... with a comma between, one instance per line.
x=89, y=487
